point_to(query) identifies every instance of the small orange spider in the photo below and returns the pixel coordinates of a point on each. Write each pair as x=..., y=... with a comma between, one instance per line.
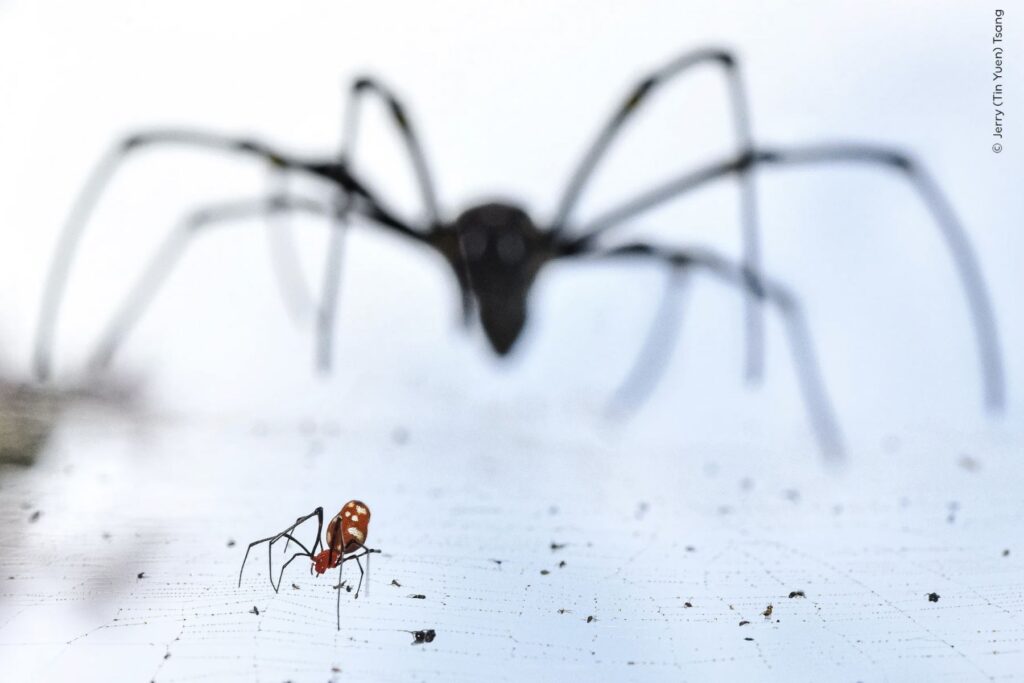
x=346, y=536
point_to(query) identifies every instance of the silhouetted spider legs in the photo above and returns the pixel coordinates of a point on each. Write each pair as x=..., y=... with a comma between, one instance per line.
x=362, y=202
x=170, y=251
x=960, y=248
x=287, y=533
x=812, y=388
x=360, y=89
x=678, y=67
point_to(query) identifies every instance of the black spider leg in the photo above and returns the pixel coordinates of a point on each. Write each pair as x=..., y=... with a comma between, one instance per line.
x=360, y=89
x=678, y=67
x=166, y=257
x=942, y=212
x=650, y=363
x=367, y=552
x=365, y=202
x=318, y=513
x=816, y=398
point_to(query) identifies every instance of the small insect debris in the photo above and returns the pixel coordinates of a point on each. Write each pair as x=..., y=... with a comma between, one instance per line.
x=295, y=586
x=933, y=597
x=544, y=572
x=687, y=604
x=767, y=613
x=231, y=543
x=426, y=636
x=557, y=546
x=394, y=582
x=591, y=618
x=1006, y=552
x=744, y=622
x=255, y=610
x=797, y=594
x=562, y=610
x=748, y=638
x=141, y=575
x=497, y=562
x=34, y=517
x=417, y=596
x=562, y=564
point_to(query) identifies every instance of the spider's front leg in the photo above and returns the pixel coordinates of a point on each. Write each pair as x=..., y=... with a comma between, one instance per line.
x=287, y=533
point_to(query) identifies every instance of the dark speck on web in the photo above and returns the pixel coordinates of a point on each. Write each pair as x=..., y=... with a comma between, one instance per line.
x=1006, y=553
x=141, y=575
x=687, y=604
x=544, y=572
x=255, y=610
x=34, y=517
x=295, y=586
x=394, y=582
x=933, y=597
x=748, y=638
x=561, y=564
x=557, y=546
x=231, y=543
x=591, y=618
x=744, y=622
x=418, y=596
x=426, y=636
x=797, y=594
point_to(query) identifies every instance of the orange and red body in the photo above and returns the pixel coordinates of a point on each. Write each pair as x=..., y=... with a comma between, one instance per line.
x=346, y=533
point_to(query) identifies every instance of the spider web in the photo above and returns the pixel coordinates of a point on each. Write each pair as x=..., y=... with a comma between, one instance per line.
x=536, y=556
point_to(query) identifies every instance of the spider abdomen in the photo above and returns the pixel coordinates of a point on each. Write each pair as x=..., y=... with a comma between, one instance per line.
x=348, y=530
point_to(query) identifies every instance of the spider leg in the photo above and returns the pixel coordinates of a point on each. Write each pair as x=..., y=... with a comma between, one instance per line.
x=678, y=67
x=270, y=559
x=650, y=363
x=280, y=576
x=815, y=396
x=361, y=88
x=328, y=308
x=298, y=299
x=334, y=172
x=961, y=250
x=365, y=86
x=167, y=255
x=361, y=574
x=318, y=513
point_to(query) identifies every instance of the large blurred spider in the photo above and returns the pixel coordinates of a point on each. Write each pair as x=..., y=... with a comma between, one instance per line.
x=496, y=250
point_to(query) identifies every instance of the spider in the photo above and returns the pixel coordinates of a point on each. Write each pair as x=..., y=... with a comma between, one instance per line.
x=496, y=250
x=346, y=538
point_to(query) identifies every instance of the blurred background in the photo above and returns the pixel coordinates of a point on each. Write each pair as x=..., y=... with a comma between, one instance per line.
x=506, y=99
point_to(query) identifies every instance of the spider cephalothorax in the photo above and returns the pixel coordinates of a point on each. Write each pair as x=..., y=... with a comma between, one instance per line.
x=495, y=250
x=501, y=253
